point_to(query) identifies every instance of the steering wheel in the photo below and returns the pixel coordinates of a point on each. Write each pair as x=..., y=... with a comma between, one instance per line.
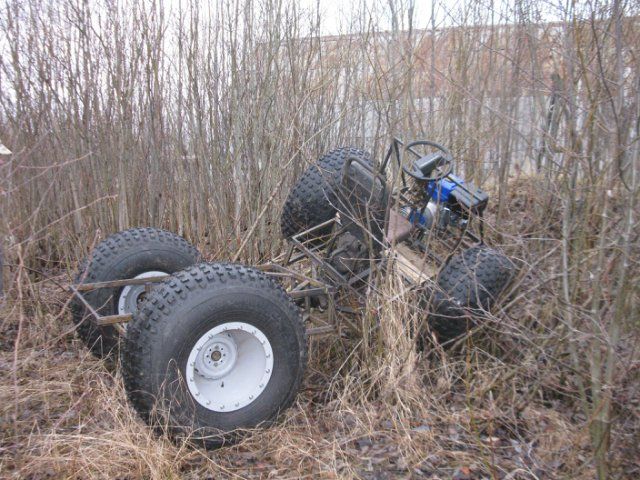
x=440, y=162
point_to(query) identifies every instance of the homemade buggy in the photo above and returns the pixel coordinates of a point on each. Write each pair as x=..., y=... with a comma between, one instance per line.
x=210, y=349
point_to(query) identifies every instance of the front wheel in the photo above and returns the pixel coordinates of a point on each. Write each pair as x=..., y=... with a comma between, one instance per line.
x=468, y=284
x=215, y=349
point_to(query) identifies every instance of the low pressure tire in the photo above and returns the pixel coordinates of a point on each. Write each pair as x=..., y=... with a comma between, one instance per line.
x=468, y=285
x=134, y=253
x=311, y=201
x=217, y=348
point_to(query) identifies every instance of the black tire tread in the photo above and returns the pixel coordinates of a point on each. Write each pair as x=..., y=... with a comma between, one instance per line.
x=471, y=281
x=309, y=203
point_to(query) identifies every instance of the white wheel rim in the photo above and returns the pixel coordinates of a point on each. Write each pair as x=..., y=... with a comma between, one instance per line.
x=129, y=296
x=229, y=366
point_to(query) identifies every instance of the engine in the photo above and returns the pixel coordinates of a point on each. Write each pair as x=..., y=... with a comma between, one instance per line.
x=449, y=201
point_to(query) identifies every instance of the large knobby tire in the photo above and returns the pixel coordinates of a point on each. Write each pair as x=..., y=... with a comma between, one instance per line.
x=468, y=285
x=311, y=201
x=137, y=252
x=174, y=353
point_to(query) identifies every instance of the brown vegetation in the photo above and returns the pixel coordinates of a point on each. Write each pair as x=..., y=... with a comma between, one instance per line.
x=198, y=119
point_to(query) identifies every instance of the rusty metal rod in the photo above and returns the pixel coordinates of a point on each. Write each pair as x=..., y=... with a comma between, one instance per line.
x=83, y=287
x=321, y=330
x=309, y=292
x=75, y=291
x=113, y=319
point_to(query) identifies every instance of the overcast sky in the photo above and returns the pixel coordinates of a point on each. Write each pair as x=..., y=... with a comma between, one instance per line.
x=342, y=16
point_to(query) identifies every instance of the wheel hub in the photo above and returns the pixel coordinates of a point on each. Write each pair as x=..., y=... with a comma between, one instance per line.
x=229, y=366
x=132, y=296
x=216, y=357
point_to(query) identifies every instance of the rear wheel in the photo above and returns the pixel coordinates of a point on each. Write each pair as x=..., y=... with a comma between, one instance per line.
x=135, y=253
x=215, y=349
x=468, y=284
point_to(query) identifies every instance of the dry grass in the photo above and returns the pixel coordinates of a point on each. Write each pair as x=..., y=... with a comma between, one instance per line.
x=403, y=414
x=501, y=405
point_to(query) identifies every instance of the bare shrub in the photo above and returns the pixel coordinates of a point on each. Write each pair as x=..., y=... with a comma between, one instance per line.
x=198, y=116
